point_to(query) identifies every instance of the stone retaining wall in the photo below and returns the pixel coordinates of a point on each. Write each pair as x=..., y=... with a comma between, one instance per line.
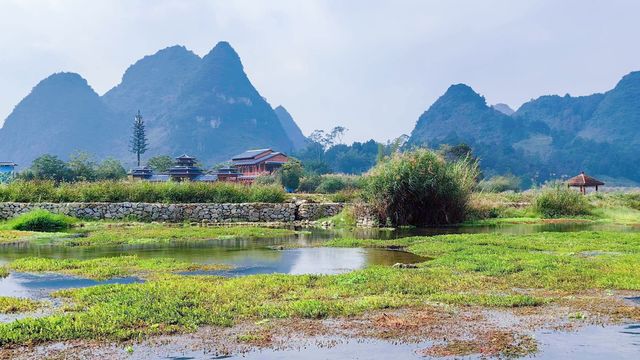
x=247, y=212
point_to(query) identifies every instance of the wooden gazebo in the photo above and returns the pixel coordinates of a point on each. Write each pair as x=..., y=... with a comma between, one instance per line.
x=583, y=182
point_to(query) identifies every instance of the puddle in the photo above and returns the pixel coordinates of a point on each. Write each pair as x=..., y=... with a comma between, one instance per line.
x=39, y=286
x=313, y=261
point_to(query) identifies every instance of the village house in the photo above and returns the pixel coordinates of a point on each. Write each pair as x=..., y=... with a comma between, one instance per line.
x=253, y=163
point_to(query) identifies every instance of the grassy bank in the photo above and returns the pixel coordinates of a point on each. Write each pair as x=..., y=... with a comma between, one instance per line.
x=108, y=267
x=487, y=270
x=139, y=191
x=510, y=208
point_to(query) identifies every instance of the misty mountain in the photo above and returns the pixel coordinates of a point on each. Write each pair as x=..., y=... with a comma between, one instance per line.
x=291, y=128
x=504, y=108
x=61, y=115
x=546, y=138
x=206, y=107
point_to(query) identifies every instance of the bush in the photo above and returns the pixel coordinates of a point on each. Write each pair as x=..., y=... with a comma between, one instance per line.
x=500, y=183
x=41, y=220
x=139, y=191
x=556, y=200
x=331, y=184
x=309, y=183
x=420, y=188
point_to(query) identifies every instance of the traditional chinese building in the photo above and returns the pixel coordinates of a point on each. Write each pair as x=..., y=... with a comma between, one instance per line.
x=185, y=168
x=253, y=163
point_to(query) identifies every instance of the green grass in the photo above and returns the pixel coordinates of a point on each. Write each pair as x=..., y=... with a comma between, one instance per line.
x=3, y=272
x=555, y=261
x=107, y=267
x=41, y=221
x=104, y=234
x=11, y=305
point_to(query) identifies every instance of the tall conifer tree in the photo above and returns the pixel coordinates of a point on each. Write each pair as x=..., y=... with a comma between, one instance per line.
x=138, y=144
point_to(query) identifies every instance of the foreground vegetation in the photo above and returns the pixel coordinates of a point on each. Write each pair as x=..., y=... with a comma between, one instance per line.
x=139, y=191
x=486, y=270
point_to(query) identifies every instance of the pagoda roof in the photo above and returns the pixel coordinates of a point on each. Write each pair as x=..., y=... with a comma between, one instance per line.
x=584, y=180
x=185, y=157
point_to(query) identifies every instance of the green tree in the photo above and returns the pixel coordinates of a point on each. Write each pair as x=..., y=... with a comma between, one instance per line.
x=110, y=169
x=138, y=144
x=160, y=163
x=49, y=167
x=290, y=174
x=82, y=166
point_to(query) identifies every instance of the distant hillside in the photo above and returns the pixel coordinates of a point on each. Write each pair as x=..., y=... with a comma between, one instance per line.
x=206, y=107
x=291, y=128
x=547, y=138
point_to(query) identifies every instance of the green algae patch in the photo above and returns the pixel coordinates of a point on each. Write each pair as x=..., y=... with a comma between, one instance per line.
x=107, y=267
x=11, y=305
x=101, y=234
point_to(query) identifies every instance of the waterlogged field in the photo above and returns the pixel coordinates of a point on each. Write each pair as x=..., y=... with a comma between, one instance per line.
x=231, y=286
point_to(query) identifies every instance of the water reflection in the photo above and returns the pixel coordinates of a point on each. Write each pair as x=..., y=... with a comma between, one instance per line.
x=36, y=286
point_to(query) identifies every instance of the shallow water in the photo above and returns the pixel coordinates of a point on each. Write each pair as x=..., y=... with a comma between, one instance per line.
x=588, y=343
x=249, y=256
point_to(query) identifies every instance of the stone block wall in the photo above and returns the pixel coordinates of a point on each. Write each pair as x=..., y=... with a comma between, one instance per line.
x=246, y=212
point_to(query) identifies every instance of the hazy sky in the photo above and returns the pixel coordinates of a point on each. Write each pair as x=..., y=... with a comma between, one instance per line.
x=372, y=66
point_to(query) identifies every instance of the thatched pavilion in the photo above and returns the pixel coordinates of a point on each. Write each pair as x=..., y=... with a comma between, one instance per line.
x=583, y=182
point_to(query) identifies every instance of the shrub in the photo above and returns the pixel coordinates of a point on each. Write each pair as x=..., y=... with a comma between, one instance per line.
x=139, y=191
x=500, y=183
x=309, y=183
x=556, y=200
x=41, y=220
x=420, y=188
x=331, y=184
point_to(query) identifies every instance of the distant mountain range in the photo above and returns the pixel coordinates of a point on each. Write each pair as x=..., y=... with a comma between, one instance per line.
x=546, y=138
x=206, y=107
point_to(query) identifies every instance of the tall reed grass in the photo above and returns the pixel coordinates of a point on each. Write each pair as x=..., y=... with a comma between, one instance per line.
x=139, y=191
